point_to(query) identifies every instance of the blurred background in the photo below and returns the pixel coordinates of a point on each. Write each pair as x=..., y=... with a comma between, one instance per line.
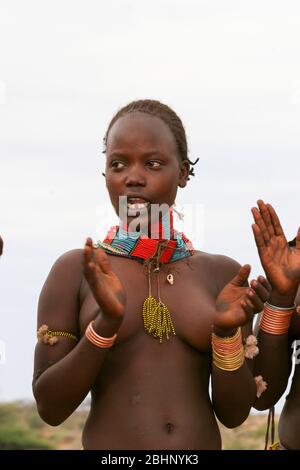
x=229, y=69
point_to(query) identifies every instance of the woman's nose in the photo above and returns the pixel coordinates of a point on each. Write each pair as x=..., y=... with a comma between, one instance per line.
x=135, y=177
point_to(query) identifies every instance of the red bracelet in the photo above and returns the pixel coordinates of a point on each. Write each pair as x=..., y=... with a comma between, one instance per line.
x=98, y=340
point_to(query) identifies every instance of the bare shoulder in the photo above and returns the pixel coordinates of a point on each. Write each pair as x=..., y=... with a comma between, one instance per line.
x=220, y=267
x=69, y=261
x=60, y=291
x=67, y=270
x=217, y=261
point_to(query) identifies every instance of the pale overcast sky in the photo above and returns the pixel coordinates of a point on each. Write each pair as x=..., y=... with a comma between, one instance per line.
x=230, y=69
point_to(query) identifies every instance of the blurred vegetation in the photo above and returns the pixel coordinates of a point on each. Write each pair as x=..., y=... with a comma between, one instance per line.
x=16, y=429
x=250, y=435
x=22, y=428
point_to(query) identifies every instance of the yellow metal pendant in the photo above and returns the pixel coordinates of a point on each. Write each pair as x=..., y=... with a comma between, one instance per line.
x=157, y=319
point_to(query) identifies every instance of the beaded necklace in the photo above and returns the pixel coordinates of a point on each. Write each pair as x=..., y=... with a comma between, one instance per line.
x=166, y=245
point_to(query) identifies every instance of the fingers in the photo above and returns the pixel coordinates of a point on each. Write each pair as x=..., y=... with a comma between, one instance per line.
x=89, y=267
x=102, y=260
x=259, y=221
x=256, y=296
x=256, y=300
x=89, y=242
x=94, y=257
x=264, y=211
x=298, y=240
x=241, y=278
x=248, y=308
x=298, y=310
x=88, y=251
x=275, y=221
x=261, y=289
x=259, y=293
x=262, y=280
x=259, y=239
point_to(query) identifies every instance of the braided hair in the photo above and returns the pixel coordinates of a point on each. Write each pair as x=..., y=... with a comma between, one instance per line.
x=167, y=115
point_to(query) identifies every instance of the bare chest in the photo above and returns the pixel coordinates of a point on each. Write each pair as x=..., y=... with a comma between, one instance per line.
x=190, y=299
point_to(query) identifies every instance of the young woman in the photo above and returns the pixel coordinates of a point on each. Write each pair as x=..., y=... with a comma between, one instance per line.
x=134, y=317
x=280, y=322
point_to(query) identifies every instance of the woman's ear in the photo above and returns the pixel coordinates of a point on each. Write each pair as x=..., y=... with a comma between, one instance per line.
x=184, y=174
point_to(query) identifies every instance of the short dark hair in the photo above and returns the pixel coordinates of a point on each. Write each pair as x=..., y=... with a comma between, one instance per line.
x=167, y=115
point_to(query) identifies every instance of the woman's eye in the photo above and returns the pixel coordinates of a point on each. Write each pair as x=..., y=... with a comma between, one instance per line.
x=117, y=165
x=154, y=164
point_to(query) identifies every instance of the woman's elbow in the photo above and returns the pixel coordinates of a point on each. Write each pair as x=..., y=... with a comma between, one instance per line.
x=48, y=416
x=233, y=420
x=45, y=410
x=262, y=404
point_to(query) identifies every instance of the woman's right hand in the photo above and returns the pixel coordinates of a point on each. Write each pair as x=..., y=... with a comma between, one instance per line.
x=104, y=283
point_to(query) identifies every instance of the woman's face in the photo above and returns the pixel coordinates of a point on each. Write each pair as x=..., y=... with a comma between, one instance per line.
x=142, y=163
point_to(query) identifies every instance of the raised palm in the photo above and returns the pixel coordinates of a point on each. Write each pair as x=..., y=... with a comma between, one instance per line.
x=236, y=303
x=104, y=283
x=280, y=261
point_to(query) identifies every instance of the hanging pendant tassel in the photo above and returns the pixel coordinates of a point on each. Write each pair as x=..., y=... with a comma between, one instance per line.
x=149, y=313
x=156, y=315
x=157, y=319
x=164, y=325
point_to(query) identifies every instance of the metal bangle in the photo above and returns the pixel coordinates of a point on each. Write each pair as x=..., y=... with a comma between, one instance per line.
x=273, y=307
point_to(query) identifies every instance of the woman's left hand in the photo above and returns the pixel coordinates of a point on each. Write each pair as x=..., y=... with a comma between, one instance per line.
x=236, y=303
x=280, y=261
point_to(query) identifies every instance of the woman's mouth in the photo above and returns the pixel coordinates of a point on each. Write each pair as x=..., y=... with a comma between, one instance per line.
x=137, y=204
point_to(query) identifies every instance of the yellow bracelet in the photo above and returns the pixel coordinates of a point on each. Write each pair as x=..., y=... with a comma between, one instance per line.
x=228, y=352
x=229, y=363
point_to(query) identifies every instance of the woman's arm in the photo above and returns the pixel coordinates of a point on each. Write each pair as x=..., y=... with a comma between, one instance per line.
x=234, y=389
x=64, y=373
x=281, y=263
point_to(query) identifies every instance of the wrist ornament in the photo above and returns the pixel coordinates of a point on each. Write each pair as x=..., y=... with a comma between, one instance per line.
x=228, y=352
x=276, y=320
x=98, y=340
